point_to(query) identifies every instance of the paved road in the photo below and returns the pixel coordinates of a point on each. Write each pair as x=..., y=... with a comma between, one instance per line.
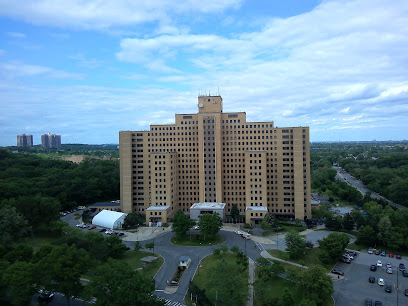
x=343, y=175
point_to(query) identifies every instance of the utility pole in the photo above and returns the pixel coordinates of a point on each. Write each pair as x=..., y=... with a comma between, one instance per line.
x=153, y=245
x=216, y=297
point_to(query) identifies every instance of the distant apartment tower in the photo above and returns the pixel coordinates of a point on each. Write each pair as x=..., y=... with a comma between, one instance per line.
x=24, y=140
x=216, y=157
x=50, y=141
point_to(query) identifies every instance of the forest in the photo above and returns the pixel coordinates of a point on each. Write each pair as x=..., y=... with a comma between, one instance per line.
x=381, y=166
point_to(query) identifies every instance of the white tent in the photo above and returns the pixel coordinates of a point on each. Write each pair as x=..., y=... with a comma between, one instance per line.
x=109, y=219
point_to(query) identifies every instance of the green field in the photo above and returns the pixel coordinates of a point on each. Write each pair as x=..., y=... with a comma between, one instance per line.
x=310, y=258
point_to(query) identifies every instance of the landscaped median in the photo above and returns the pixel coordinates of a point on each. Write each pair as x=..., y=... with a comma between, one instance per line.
x=196, y=240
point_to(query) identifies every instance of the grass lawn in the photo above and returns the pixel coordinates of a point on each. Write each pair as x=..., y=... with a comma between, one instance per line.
x=185, y=240
x=276, y=286
x=202, y=277
x=285, y=229
x=311, y=258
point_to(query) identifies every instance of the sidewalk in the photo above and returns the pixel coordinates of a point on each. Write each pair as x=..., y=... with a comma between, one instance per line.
x=145, y=233
x=251, y=271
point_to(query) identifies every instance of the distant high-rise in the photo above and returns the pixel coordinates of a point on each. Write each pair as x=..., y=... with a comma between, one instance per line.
x=50, y=141
x=24, y=140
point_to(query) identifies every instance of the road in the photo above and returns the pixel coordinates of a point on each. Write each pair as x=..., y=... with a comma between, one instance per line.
x=346, y=177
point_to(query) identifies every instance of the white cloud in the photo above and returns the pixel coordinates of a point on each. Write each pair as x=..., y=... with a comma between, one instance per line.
x=18, y=69
x=16, y=34
x=91, y=63
x=94, y=14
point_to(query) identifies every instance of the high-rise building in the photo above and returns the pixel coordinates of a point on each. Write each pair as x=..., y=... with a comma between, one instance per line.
x=24, y=140
x=216, y=157
x=50, y=141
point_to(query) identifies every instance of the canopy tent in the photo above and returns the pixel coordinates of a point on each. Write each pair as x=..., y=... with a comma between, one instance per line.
x=109, y=219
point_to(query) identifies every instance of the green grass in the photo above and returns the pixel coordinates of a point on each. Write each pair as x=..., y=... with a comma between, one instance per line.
x=275, y=287
x=310, y=258
x=208, y=264
x=185, y=240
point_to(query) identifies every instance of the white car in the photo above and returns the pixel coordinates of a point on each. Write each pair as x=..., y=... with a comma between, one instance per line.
x=81, y=225
x=381, y=282
x=389, y=271
x=389, y=265
x=379, y=263
x=196, y=227
x=108, y=232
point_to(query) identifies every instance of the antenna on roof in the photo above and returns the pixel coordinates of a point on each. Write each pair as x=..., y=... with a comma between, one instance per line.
x=218, y=90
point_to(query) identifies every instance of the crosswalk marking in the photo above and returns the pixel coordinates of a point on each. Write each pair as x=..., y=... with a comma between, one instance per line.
x=171, y=303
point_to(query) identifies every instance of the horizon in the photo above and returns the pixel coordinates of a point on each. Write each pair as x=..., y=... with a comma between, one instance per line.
x=86, y=70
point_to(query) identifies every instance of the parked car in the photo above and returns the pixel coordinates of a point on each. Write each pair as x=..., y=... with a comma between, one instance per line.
x=196, y=227
x=406, y=292
x=102, y=230
x=92, y=227
x=373, y=268
x=381, y=281
x=377, y=303
x=389, y=265
x=377, y=252
x=388, y=289
x=398, y=256
x=121, y=234
x=391, y=254
x=338, y=272
x=371, y=279
x=405, y=273
x=379, y=263
x=345, y=260
x=108, y=232
x=370, y=251
x=389, y=270
x=383, y=253
x=368, y=302
x=401, y=267
x=45, y=296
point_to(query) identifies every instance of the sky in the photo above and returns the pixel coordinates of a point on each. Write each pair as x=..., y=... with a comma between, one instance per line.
x=87, y=69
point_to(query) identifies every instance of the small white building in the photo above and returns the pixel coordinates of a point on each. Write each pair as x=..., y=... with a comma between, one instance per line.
x=197, y=210
x=109, y=219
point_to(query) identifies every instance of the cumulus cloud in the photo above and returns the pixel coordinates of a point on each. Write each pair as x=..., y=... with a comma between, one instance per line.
x=94, y=14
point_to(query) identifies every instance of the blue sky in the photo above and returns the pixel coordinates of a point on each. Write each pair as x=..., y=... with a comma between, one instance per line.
x=88, y=69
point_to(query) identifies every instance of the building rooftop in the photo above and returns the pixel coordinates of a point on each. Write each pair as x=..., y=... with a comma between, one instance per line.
x=158, y=208
x=105, y=204
x=208, y=205
x=256, y=208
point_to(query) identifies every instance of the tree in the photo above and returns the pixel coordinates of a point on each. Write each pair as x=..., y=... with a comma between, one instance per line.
x=384, y=230
x=12, y=225
x=235, y=212
x=332, y=247
x=149, y=245
x=20, y=279
x=316, y=285
x=115, y=283
x=295, y=244
x=137, y=247
x=307, y=302
x=265, y=225
x=132, y=220
x=277, y=268
x=217, y=252
x=287, y=298
x=62, y=268
x=333, y=223
x=115, y=246
x=181, y=223
x=20, y=252
x=366, y=235
x=348, y=222
x=264, y=269
x=231, y=283
x=210, y=224
x=270, y=218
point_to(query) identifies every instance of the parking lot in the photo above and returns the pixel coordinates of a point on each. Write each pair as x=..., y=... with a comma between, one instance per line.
x=354, y=288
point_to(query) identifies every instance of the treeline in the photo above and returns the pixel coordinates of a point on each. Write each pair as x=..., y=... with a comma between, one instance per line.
x=387, y=175
x=25, y=176
x=59, y=267
x=381, y=166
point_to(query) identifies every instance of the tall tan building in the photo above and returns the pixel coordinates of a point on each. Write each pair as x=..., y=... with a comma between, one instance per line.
x=212, y=156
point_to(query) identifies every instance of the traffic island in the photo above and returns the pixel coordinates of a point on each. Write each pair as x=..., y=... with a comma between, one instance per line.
x=173, y=283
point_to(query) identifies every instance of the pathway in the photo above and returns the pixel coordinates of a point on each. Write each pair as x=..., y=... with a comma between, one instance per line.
x=251, y=271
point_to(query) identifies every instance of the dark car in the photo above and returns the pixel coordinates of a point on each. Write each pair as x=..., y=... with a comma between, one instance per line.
x=383, y=253
x=368, y=302
x=44, y=297
x=121, y=234
x=388, y=289
x=102, y=230
x=406, y=292
x=401, y=267
x=371, y=279
x=377, y=303
x=377, y=252
x=338, y=272
x=405, y=273
x=373, y=268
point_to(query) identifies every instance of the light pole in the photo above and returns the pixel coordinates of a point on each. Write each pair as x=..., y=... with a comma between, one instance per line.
x=198, y=267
